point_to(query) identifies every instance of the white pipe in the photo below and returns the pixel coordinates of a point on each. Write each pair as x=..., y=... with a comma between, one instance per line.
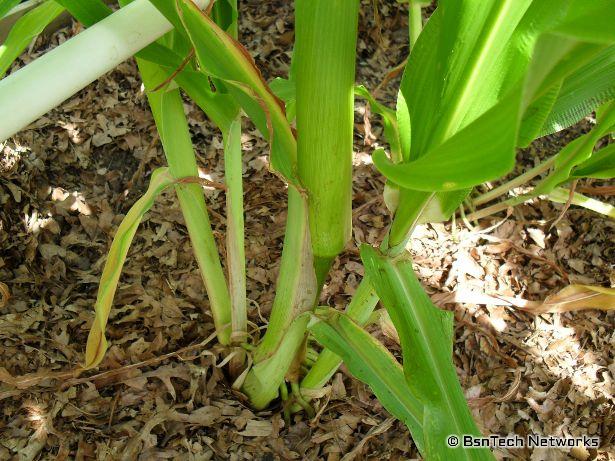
x=54, y=77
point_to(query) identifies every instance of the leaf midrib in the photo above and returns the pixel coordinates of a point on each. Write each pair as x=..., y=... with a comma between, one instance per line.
x=470, y=77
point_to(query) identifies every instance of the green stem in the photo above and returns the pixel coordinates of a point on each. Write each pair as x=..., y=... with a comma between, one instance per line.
x=288, y=302
x=558, y=195
x=515, y=182
x=561, y=195
x=365, y=299
x=168, y=110
x=263, y=382
x=360, y=308
x=47, y=81
x=235, y=239
x=412, y=203
x=296, y=390
x=511, y=202
x=319, y=223
x=324, y=73
x=415, y=18
x=295, y=294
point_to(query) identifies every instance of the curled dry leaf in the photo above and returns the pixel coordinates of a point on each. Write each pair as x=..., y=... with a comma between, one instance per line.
x=5, y=294
x=571, y=298
x=576, y=298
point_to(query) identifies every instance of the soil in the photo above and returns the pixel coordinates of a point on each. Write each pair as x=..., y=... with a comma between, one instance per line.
x=67, y=181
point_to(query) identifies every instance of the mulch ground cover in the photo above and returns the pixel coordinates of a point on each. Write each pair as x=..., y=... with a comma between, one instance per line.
x=68, y=179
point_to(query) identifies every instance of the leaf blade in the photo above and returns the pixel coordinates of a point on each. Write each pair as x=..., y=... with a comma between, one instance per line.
x=7, y=6
x=88, y=13
x=583, y=91
x=372, y=363
x=97, y=343
x=426, y=335
x=25, y=29
x=577, y=298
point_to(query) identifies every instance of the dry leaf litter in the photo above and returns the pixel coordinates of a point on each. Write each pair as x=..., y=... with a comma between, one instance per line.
x=67, y=181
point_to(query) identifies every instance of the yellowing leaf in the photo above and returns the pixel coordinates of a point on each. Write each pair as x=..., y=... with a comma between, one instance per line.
x=97, y=343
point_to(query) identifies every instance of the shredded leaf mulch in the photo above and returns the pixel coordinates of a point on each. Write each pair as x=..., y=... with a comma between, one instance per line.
x=67, y=181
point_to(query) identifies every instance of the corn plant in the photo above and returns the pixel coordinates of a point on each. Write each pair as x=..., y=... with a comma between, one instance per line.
x=483, y=77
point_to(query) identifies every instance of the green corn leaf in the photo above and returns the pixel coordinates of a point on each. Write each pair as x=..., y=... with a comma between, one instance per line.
x=601, y=165
x=567, y=53
x=443, y=205
x=582, y=92
x=86, y=12
x=97, y=343
x=589, y=21
x=573, y=41
x=224, y=14
x=491, y=58
x=224, y=58
x=448, y=80
x=397, y=134
x=359, y=310
x=426, y=335
x=481, y=143
x=475, y=94
x=219, y=107
x=470, y=58
x=423, y=67
x=601, y=112
x=6, y=6
x=162, y=55
x=575, y=153
x=29, y=26
x=554, y=59
x=372, y=363
x=404, y=125
x=536, y=114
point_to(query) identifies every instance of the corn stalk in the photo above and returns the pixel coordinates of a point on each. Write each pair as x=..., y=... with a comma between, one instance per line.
x=324, y=62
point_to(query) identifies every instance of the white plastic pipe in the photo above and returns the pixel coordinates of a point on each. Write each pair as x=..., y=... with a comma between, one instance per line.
x=54, y=77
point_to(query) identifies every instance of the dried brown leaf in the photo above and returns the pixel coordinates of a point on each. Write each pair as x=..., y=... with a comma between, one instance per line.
x=5, y=294
x=571, y=298
x=577, y=298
